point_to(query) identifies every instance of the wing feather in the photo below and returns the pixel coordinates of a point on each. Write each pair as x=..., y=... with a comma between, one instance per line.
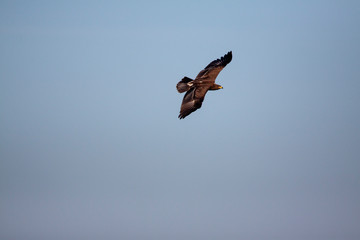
x=192, y=101
x=223, y=61
x=212, y=70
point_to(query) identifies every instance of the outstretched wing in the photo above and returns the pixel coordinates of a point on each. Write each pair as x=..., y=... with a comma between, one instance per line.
x=212, y=70
x=192, y=101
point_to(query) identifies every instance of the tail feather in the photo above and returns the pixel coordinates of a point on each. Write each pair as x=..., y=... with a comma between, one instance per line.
x=184, y=85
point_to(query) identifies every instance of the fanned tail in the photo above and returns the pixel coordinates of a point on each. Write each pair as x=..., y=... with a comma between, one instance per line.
x=184, y=85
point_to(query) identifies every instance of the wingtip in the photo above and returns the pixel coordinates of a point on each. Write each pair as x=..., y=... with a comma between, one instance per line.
x=227, y=58
x=229, y=54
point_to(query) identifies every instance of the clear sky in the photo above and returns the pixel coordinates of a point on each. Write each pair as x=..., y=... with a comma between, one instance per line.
x=91, y=146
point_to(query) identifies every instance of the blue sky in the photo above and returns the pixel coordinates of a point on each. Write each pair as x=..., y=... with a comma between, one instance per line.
x=91, y=146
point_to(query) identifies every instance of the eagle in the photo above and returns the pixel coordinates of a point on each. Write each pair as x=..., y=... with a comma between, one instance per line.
x=204, y=81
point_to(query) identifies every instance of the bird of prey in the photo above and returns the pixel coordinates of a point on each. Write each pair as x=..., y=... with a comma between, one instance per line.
x=204, y=81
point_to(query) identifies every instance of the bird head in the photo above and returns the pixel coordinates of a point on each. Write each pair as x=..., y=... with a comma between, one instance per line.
x=215, y=87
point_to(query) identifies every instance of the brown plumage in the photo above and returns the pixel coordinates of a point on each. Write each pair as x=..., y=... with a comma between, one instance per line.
x=204, y=81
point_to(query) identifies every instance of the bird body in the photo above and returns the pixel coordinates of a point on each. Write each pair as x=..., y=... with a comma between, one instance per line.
x=196, y=89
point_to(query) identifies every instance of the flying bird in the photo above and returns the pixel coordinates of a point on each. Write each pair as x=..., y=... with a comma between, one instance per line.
x=204, y=81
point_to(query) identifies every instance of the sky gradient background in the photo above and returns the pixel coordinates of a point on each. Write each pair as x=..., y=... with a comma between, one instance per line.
x=90, y=143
